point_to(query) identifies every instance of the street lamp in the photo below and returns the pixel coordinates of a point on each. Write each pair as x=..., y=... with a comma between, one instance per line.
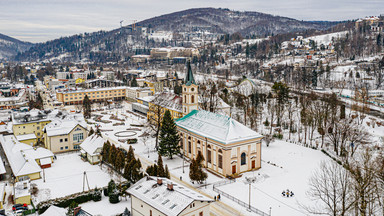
x=249, y=181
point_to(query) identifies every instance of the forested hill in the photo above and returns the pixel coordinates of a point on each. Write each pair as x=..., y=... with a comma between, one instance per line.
x=116, y=45
x=10, y=46
x=228, y=21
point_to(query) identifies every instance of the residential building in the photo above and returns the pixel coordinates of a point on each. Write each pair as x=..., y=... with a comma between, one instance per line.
x=66, y=133
x=74, y=96
x=92, y=147
x=15, y=101
x=32, y=122
x=155, y=196
x=22, y=192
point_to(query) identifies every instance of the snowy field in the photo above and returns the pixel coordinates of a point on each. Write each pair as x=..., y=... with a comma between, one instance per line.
x=293, y=166
x=65, y=177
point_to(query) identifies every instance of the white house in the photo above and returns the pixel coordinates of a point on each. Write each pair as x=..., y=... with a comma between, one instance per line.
x=154, y=196
x=91, y=148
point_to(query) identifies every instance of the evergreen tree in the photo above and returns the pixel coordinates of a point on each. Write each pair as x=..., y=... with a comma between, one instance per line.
x=169, y=138
x=314, y=78
x=196, y=172
x=112, y=155
x=134, y=82
x=91, y=132
x=105, y=153
x=136, y=174
x=120, y=160
x=167, y=174
x=130, y=155
x=160, y=167
x=87, y=107
x=247, y=50
x=72, y=207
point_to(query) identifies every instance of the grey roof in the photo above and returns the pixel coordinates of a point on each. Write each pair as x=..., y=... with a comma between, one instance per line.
x=169, y=202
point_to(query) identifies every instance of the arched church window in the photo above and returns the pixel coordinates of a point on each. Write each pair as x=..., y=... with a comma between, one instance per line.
x=243, y=158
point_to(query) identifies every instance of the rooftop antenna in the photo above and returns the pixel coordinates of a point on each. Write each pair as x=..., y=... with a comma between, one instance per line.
x=121, y=23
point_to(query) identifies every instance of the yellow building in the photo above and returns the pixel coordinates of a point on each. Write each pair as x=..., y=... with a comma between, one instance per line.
x=73, y=97
x=22, y=192
x=26, y=124
x=79, y=80
x=67, y=135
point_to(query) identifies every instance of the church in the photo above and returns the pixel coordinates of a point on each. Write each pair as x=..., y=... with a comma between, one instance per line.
x=229, y=147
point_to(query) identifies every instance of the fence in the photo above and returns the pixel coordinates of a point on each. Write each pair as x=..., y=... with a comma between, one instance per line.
x=241, y=203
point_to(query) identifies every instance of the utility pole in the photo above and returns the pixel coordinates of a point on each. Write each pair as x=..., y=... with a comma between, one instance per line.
x=249, y=181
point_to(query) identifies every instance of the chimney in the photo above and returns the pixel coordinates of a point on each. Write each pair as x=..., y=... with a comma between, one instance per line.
x=170, y=186
x=159, y=181
x=76, y=210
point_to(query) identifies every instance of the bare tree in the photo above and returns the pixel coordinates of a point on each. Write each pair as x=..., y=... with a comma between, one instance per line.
x=363, y=173
x=330, y=187
x=155, y=115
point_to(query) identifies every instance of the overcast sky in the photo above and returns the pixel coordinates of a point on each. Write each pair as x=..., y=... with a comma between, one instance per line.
x=42, y=20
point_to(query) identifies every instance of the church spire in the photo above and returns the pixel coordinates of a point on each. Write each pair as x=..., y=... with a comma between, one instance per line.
x=189, y=80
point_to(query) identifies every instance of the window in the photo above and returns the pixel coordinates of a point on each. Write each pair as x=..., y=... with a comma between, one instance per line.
x=76, y=146
x=189, y=147
x=150, y=212
x=66, y=139
x=61, y=140
x=209, y=156
x=221, y=161
x=38, y=134
x=192, y=99
x=61, y=148
x=78, y=137
x=66, y=147
x=243, y=158
x=201, y=214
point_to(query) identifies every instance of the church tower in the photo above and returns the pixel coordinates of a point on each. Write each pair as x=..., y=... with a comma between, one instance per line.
x=190, y=92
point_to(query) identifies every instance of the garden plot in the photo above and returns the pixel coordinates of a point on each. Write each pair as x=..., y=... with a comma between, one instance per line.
x=66, y=175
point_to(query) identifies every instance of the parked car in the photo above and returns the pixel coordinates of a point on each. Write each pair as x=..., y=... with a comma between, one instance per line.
x=20, y=207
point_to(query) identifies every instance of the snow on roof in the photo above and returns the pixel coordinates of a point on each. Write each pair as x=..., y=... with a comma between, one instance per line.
x=21, y=157
x=169, y=202
x=26, y=137
x=169, y=100
x=68, y=91
x=22, y=189
x=92, y=143
x=45, y=161
x=217, y=127
x=63, y=127
x=55, y=211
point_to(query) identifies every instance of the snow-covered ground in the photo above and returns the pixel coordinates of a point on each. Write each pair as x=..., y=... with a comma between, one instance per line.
x=293, y=166
x=65, y=177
